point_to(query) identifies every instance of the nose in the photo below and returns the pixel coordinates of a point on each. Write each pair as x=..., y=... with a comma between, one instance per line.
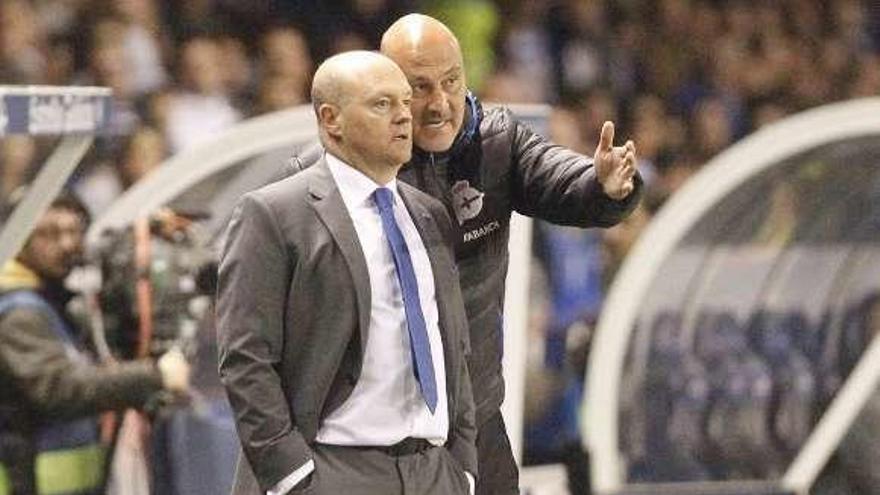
x=70, y=241
x=437, y=100
x=404, y=115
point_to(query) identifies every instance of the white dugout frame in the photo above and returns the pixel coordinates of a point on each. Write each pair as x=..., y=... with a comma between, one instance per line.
x=753, y=155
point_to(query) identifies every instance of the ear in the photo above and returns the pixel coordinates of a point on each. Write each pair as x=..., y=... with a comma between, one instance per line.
x=330, y=118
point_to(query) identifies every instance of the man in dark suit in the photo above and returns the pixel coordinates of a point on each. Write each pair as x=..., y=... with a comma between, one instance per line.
x=341, y=325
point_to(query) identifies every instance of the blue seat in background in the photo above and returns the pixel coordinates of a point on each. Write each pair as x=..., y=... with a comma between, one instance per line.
x=774, y=335
x=857, y=332
x=686, y=424
x=675, y=406
x=665, y=435
x=718, y=334
x=738, y=427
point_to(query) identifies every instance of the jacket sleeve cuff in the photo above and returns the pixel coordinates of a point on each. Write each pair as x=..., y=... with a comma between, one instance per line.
x=292, y=479
x=465, y=454
x=273, y=463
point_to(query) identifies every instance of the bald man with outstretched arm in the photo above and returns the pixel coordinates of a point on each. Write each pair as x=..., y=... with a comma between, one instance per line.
x=342, y=331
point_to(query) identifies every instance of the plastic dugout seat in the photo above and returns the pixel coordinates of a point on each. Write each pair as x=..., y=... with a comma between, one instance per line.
x=812, y=338
x=848, y=337
x=686, y=424
x=773, y=335
x=718, y=334
x=674, y=401
x=738, y=426
x=673, y=389
x=644, y=397
x=666, y=336
x=857, y=332
x=675, y=412
x=666, y=355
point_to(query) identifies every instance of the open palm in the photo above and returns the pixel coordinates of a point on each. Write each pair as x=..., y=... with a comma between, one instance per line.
x=615, y=165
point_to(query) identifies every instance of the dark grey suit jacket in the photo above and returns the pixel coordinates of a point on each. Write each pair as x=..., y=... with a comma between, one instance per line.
x=293, y=315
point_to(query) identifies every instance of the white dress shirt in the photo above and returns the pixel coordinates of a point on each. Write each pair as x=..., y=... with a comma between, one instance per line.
x=386, y=405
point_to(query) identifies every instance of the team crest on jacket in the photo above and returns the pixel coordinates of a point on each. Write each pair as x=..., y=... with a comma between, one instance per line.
x=467, y=201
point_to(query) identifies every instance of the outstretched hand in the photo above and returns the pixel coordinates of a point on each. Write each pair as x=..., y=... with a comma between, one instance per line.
x=615, y=165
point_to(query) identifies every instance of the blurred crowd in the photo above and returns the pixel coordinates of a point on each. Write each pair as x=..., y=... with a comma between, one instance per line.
x=684, y=78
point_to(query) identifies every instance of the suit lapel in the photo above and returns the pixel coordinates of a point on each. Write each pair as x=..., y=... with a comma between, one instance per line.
x=327, y=202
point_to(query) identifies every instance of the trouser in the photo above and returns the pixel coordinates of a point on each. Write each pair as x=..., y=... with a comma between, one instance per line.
x=497, y=467
x=372, y=471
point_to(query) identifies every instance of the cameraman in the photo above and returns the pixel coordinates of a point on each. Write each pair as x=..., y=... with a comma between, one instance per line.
x=51, y=390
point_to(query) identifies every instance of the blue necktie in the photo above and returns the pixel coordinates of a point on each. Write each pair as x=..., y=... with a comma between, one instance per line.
x=423, y=364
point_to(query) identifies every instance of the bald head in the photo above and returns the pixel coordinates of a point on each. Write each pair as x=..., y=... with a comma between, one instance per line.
x=430, y=56
x=362, y=104
x=342, y=75
x=413, y=33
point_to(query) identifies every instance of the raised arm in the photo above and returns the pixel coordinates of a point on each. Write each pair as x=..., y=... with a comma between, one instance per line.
x=556, y=184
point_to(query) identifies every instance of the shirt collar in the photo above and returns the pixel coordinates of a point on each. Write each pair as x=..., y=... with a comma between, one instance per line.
x=354, y=186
